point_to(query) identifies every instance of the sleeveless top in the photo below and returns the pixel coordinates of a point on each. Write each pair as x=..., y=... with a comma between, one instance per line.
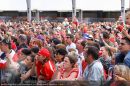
x=62, y=71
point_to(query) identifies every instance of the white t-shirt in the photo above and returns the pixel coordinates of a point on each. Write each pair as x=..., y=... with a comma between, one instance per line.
x=71, y=46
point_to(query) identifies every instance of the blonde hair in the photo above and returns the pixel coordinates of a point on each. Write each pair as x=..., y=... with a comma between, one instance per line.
x=123, y=71
x=73, y=57
x=128, y=14
x=58, y=46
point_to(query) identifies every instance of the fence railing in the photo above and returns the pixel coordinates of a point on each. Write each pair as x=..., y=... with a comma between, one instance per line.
x=61, y=19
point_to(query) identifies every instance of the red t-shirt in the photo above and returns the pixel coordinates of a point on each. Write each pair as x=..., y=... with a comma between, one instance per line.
x=84, y=64
x=2, y=65
x=47, y=70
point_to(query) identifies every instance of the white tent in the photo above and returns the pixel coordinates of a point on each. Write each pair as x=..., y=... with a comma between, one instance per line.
x=63, y=5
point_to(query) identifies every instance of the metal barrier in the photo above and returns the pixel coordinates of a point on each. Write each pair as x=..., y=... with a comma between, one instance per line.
x=91, y=20
x=61, y=19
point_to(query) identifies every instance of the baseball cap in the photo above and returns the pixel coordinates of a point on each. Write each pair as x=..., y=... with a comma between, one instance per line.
x=44, y=52
x=87, y=36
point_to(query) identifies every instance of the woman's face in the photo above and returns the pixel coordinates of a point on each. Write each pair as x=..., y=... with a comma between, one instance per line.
x=117, y=73
x=28, y=60
x=58, y=58
x=67, y=63
x=128, y=20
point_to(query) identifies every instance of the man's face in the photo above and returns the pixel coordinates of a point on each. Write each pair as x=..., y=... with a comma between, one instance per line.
x=68, y=40
x=40, y=57
x=124, y=46
x=86, y=56
x=3, y=47
x=104, y=51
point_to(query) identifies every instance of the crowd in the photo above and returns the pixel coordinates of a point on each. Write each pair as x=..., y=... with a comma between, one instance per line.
x=51, y=52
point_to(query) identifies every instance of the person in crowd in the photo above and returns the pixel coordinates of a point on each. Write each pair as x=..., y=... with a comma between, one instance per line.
x=11, y=60
x=22, y=39
x=71, y=46
x=121, y=76
x=55, y=42
x=105, y=58
x=89, y=38
x=34, y=42
x=34, y=50
x=24, y=71
x=94, y=72
x=124, y=48
x=68, y=71
x=59, y=57
x=59, y=46
x=106, y=42
x=2, y=59
x=45, y=67
x=111, y=68
x=56, y=36
x=80, y=47
x=126, y=29
x=23, y=53
x=65, y=22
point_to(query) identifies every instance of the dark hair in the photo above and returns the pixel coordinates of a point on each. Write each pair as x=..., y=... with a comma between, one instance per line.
x=92, y=50
x=83, y=43
x=7, y=42
x=106, y=35
x=126, y=39
x=35, y=49
x=70, y=36
x=56, y=41
x=32, y=57
x=21, y=31
x=61, y=51
x=95, y=44
x=26, y=51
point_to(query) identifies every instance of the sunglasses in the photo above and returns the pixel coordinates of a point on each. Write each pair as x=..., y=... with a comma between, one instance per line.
x=122, y=44
x=67, y=37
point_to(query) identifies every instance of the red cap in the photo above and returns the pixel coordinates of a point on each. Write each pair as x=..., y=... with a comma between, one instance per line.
x=120, y=28
x=44, y=52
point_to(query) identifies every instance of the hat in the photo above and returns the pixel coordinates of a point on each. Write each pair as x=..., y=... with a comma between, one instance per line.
x=87, y=36
x=120, y=27
x=22, y=37
x=44, y=52
x=40, y=37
